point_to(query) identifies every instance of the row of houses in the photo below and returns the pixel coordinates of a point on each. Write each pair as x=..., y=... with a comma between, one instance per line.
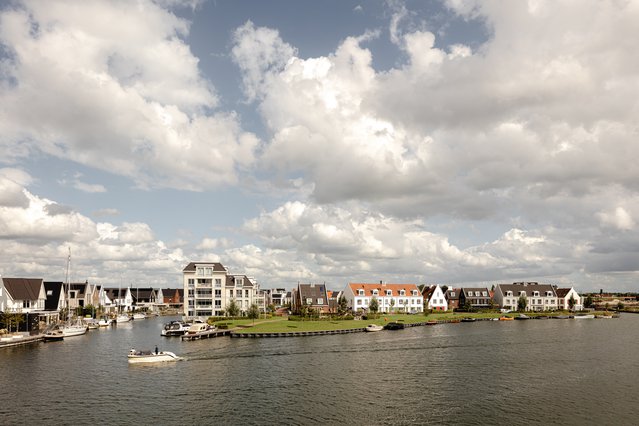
x=409, y=298
x=43, y=301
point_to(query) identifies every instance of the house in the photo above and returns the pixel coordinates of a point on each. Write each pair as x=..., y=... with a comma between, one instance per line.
x=312, y=296
x=452, y=297
x=563, y=299
x=173, y=297
x=209, y=290
x=390, y=297
x=538, y=297
x=475, y=298
x=24, y=296
x=333, y=300
x=277, y=297
x=147, y=297
x=117, y=299
x=434, y=298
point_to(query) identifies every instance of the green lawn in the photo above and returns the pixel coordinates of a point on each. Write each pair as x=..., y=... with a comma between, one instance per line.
x=283, y=325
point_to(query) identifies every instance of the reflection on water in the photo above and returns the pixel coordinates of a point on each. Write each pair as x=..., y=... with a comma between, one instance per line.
x=520, y=372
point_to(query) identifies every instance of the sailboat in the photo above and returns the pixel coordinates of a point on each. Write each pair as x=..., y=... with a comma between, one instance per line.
x=71, y=327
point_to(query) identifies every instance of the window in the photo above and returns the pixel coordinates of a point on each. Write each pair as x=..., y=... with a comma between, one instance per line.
x=218, y=303
x=246, y=293
x=402, y=292
x=238, y=293
x=452, y=294
x=218, y=282
x=509, y=293
x=375, y=292
x=470, y=294
x=535, y=293
x=484, y=293
x=389, y=292
x=414, y=292
x=309, y=300
x=359, y=301
x=191, y=281
x=360, y=292
x=320, y=301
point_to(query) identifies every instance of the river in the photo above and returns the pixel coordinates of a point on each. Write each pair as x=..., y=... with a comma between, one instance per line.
x=483, y=373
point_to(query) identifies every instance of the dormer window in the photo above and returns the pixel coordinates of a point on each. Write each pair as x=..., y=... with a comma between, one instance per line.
x=535, y=293
x=402, y=292
x=414, y=292
x=509, y=293
x=548, y=294
x=389, y=292
x=470, y=293
x=452, y=294
x=375, y=292
x=360, y=292
x=484, y=293
x=522, y=293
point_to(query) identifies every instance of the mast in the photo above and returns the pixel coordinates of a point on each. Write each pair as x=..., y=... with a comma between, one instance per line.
x=68, y=287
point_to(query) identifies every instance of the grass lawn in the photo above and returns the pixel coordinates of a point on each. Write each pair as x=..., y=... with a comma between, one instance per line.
x=283, y=325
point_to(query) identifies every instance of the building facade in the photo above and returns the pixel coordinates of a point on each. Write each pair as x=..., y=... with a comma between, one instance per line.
x=390, y=297
x=539, y=297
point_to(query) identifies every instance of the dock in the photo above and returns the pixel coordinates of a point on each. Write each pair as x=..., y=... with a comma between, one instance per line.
x=19, y=340
x=208, y=334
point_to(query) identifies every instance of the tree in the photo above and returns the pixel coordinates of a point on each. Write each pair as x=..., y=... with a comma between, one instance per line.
x=392, y=305
x=342, y=305
x=444, y=289
x=620, y=306
x=232, y=310
x=12, y=319
x=374, y=305
x=467, y=306
x=253, y=312
x=572, y=302
x=588, y=302
x=522, y=303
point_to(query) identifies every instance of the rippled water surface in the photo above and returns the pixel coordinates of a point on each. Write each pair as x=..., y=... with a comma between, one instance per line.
x=489, y=372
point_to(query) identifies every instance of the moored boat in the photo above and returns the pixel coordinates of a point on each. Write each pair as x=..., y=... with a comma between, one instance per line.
x=522, y=317
x=122, y=318
x=175, y=328
x=104, y=322
x=432, y=322
x=394, y=326
x=584, y=316
x=72, y=329
x=198, y=331
x=374, y=327
x=53, y=335
x=139, y=357
x=139, y=316
x=506, y=318
x=468, y=319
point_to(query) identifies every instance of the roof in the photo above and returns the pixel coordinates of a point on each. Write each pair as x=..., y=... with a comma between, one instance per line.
x=449, y=293
x=23, y=288
x=51, y=302
x=527, y=288
x=142, y=293
x=466, y=290
x=217, y=267
x=313, y=291
x=382, y=288
x=562, y=292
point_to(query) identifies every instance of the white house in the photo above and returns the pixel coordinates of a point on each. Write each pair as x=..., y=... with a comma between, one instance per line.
x=563, y=299
x=390, y=297
x=435, y=298
x=539, y=297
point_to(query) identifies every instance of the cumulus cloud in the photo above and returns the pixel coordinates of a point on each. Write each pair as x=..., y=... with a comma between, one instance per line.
x=139, y=109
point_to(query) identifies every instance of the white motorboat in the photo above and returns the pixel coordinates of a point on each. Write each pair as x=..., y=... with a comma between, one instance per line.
x=122, y=318
x=104, y=322
x=53, y=335
x=374, y=327
x=140, y=357
x=175, y=328
x=139, y=316
x=585, y=316
x=199, y=331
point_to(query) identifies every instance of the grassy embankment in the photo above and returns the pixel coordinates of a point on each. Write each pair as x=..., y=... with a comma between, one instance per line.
x=283, y=325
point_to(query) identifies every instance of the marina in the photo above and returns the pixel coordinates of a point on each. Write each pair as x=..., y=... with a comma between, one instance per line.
x=449, y=362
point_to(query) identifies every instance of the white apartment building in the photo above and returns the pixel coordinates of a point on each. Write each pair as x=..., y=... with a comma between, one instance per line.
x=539, y=297
x=390, y=297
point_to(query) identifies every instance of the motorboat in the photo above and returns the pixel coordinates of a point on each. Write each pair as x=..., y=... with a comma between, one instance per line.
x=394, y=326
x=585, y=316
x=139, y=316
x=104, y=322
x=122, y=318
x=374, y=327
x=522, y=317
x=504, y=318
x=175, y=328
x=432, y=322
x=199, y=331
x=468, y=319
x=140, y=357
x=91, y=323
x=53, y=335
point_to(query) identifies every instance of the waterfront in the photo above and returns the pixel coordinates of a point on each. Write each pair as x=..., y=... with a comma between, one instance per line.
x=488, y=372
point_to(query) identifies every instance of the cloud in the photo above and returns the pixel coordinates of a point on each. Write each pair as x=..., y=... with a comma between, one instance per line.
x=106, y=212
x=138, y=109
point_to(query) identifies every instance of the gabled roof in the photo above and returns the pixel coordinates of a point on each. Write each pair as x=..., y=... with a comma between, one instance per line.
x=527, y=288
x=217, y=267
x=383, y=288
x=51, y=302
x=313, y=291
x=562, y=292
x=142, y=293
x=453, y=293
x=23, y=288
x=466, y=290
x=115, y=293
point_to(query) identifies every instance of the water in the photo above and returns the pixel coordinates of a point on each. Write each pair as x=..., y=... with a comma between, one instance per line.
x=519, y=372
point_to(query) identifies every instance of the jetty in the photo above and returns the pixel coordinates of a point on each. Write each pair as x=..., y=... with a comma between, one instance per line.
x=206, y=334
x=19, y=339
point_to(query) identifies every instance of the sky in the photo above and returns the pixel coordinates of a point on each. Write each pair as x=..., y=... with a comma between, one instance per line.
x=455, y=142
